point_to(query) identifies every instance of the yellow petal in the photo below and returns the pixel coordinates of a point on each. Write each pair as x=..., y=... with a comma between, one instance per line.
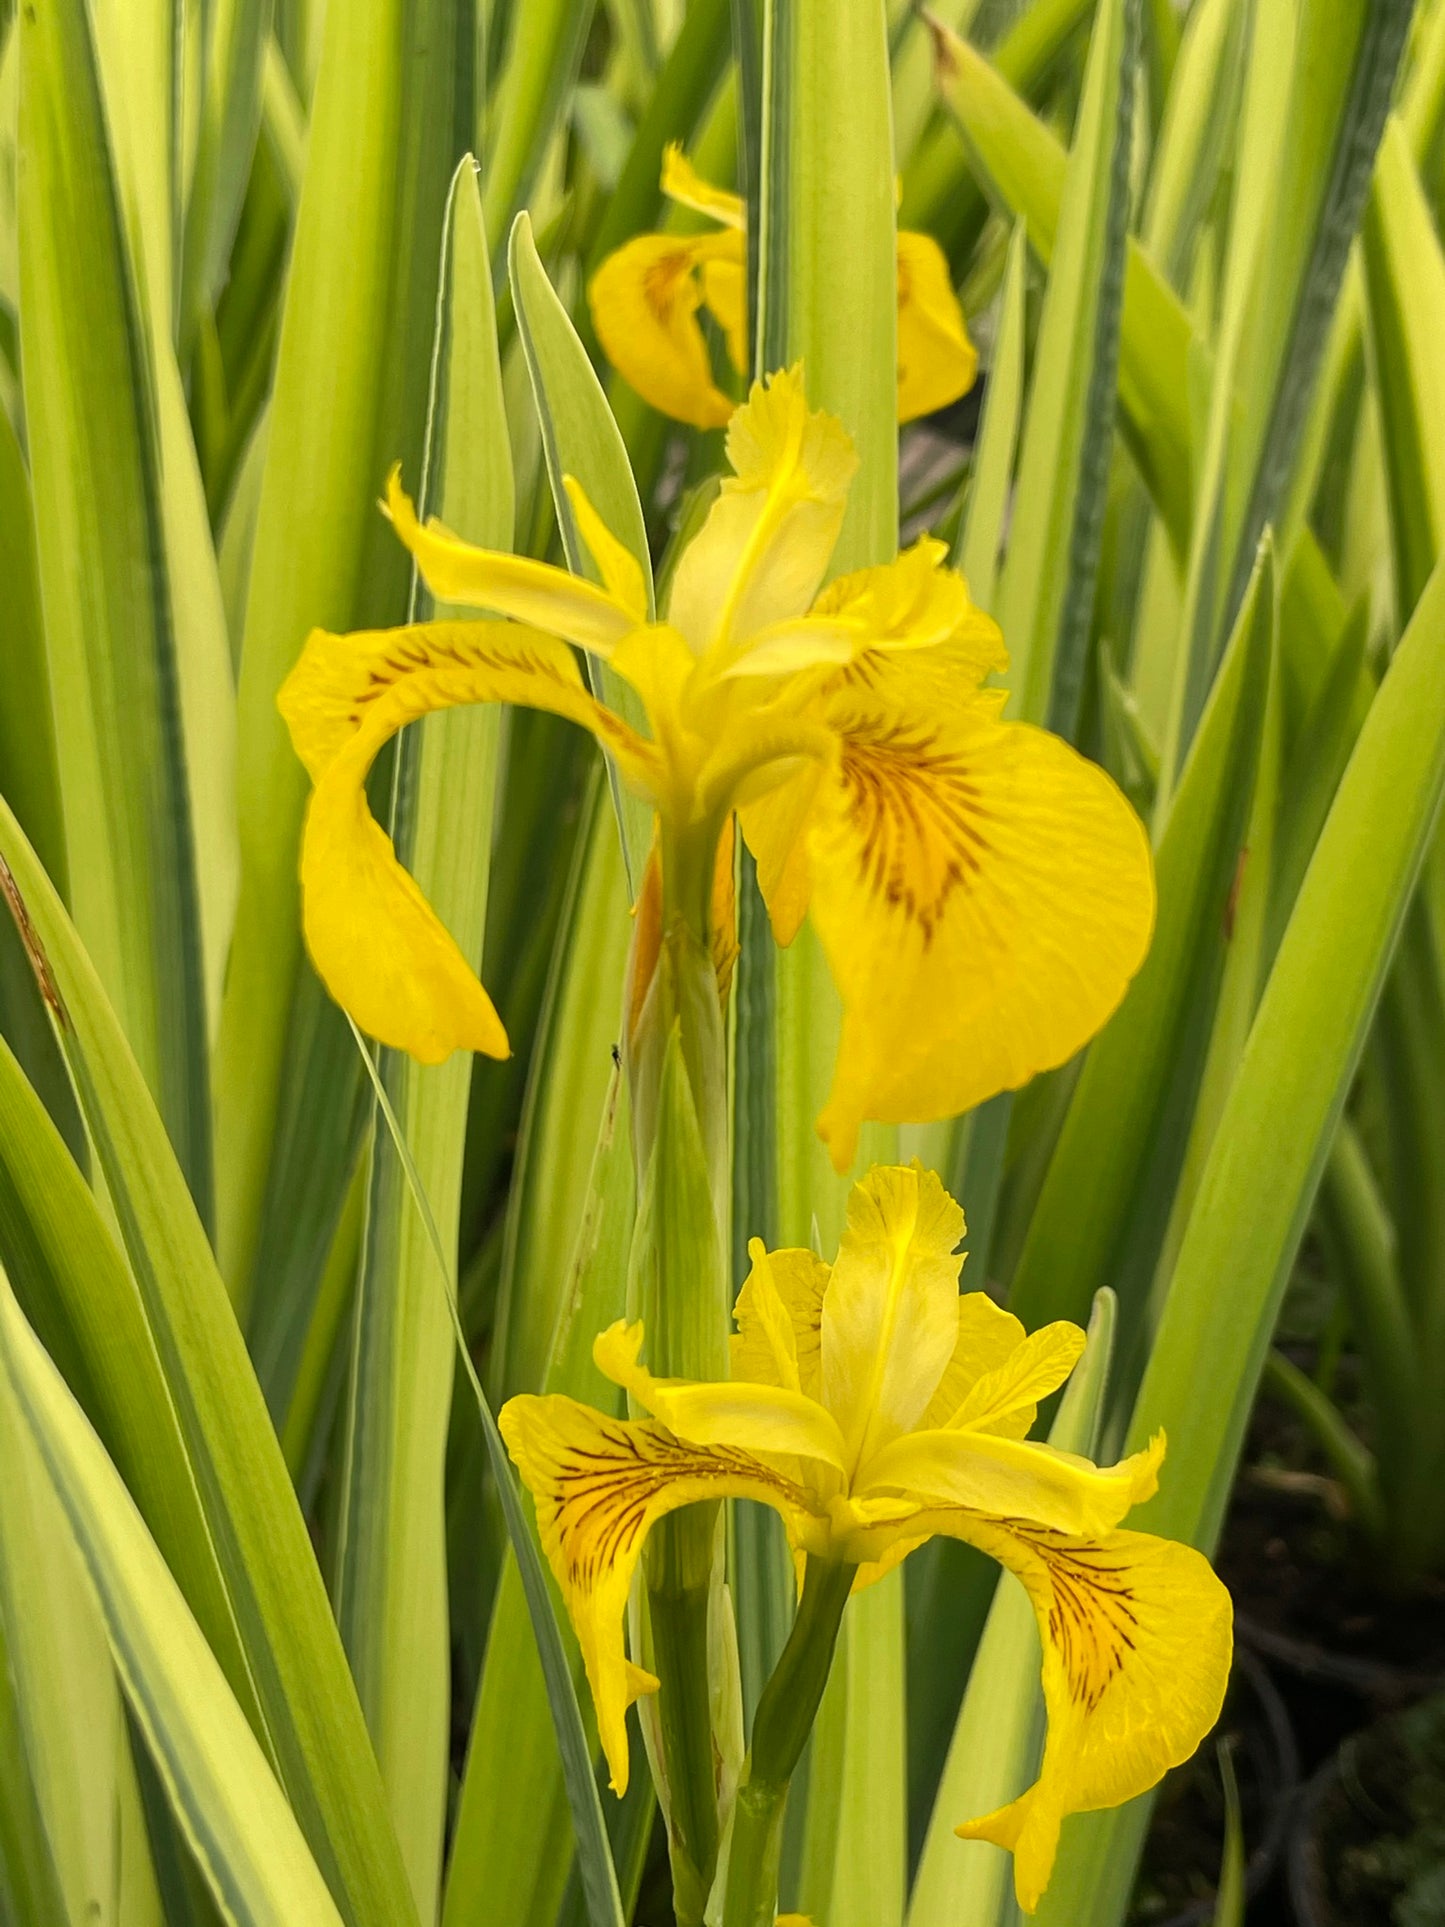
x=1006, y=1400
x=987, y=1337
x=757, y=753
x=511, y=585
x=984, y=896
x=682, y=183
x=599, y=1485
x=765, y=1351
x=765, y=545
x=644, y=301
x=987, y=1474
x=890, y=1314
x=376, y=942
x=725, y=291
x=913, y=602
x=779, y=1314
x=619, y=568
x=766, y=1419
x=936, y=360
x=775, y=829
x=1137, y=1639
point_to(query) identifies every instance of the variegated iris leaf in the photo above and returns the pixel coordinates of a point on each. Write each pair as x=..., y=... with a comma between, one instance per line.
x=646, y=298
x=983, y=893
x=873, y=1407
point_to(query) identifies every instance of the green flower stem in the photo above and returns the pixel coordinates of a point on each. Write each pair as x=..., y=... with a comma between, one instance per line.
x=677, y=1565
x=785, y=1716
x=677, y=1068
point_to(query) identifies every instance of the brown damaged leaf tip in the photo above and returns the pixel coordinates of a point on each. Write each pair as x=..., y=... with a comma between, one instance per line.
x=34, y=948
x=945, y=62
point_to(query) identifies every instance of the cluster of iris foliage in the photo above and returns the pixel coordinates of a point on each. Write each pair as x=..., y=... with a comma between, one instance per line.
x=644, y=642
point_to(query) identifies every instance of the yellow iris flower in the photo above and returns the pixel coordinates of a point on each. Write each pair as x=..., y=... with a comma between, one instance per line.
x=982, y=892
x=645, y=299
x=872, y=1406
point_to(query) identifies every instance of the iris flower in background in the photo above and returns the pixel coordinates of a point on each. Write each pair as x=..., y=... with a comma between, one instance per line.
x=645, y=301
x=982, y=892
x=873, y=1407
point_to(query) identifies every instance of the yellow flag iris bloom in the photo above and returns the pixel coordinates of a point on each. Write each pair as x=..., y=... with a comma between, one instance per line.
x=645, y=299
x=873, y=1407
x=982, y=892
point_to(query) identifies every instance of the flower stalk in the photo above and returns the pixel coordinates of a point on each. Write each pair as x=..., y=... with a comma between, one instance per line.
x=786, y=1711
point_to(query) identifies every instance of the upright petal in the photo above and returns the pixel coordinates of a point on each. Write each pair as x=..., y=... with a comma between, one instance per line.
x=764, y=548
x=1137, y=1637
x=890, y=1314
x=913, y=602
x=988, y=1336
x=682, y=183
x=779, y=1314
x=619, y=568
x=936, y=360
x=600, y=1485
x=984, y=896
x=511, y=585
x=1006, y=1399
x=644, y=301
x=378, y=945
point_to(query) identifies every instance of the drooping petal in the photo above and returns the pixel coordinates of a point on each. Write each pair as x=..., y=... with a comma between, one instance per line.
x=766, y=1419
x=563, y=604
x=913, y=602
x=984, y=896
x=378, y=945
x=599, y=1485
x=682, y=183
x=644, y=301
x=725, y=293
x=1006, y=1400
x=764, y=548
x=1012, y=1478
x=775, y=829
x=890, y=1313
x=779, y=1314
x=936, y=360
x=987, y=1337
x=1137, y=1638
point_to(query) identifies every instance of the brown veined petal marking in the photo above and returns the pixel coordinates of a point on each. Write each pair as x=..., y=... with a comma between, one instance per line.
x=1137, y=1637
x=983, y=893
x=600, y=1484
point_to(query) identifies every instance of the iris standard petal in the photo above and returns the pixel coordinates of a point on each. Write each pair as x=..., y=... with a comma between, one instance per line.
x=600, y=1485
x=764, y=548
x=378, y=945
x=987, y=1337
x=890, y=1313
x=1137, y=1638
x=619, y=568
x=779, y=1314
x=984, y=896
x=936, y=360
x=644, y=300
x=1006, y=1400
x=682, y=183
x=913, y=602
x=511, y=585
